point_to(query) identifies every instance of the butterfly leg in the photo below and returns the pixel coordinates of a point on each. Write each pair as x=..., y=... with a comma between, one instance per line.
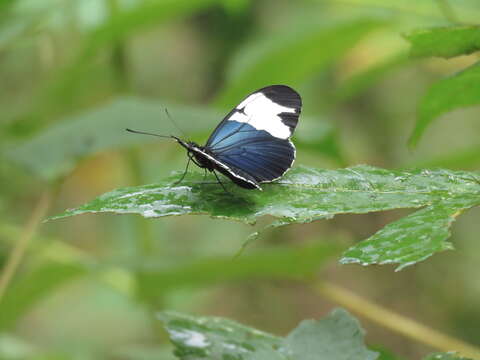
x=218, y=180
x=184, y=173
x=204, y=174
x=195, y=161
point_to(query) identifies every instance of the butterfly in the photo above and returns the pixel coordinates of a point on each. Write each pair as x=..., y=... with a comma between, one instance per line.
x=251, y=145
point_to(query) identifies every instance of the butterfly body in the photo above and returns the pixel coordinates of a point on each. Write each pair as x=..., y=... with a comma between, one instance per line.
x=202, y=158
x=251, y=145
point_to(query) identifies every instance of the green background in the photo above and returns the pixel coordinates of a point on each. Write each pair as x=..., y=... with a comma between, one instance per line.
x=74, y=74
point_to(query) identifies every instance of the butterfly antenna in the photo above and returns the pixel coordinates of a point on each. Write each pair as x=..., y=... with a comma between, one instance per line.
x=174, y=123
x=147, y=133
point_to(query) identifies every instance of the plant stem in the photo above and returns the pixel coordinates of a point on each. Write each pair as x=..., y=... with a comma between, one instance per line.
x=20, y=247
x=393, y=321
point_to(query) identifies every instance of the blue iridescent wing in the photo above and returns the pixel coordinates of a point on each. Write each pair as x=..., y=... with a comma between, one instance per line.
x=263, y=158
x=254, y=137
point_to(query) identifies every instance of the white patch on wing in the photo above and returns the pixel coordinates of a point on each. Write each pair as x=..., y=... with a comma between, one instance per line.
x=262, y=113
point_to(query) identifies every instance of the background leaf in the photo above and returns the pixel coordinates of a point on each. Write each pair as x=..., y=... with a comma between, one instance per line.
x=57, y=150
x=411, y=239
x=338, y=336
x=445, y=42
x=214, y=338
x=457, y=91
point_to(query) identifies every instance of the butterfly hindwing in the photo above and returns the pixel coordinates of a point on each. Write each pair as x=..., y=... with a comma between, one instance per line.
x=254, y=137
x=264, y=158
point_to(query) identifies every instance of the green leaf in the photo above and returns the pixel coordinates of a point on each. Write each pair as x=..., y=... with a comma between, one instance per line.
x=307, y=194
x=338, y=336
x=57, y=150
x=445, y=356
x=284, y=263
x=292, y=57
x=411, y=239
x=214, y=338
x=444, y=42
x=302, y=195
x=457, y=91
x=33, y=287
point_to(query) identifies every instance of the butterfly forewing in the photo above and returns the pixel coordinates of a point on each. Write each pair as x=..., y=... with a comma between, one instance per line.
x=274, y=109
x=254, y=137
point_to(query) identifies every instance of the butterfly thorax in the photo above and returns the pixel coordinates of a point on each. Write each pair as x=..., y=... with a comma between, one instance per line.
x=199, y=154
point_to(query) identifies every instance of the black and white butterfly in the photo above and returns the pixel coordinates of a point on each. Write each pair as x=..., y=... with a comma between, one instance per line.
x=252, y=143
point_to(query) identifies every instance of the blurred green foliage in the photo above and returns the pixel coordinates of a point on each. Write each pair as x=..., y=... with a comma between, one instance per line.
x=459, y=91
x=75, y=73
x=444, y=42
x=338, y=335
